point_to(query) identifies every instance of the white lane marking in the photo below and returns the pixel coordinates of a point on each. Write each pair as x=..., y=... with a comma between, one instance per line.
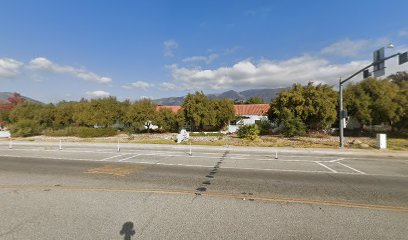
x=59, y=158
x=337, y=160
x=351, y=168
x=187, y=165
x=56, y=150
x=122, y=160
x=321, y=164
x=112, y=157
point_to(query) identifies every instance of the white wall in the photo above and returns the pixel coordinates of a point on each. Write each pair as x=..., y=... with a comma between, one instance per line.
x=4, y=134
x=249, y=119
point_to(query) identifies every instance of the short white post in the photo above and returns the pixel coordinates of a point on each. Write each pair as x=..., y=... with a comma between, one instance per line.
x=10, y=144
x=276, y=153
x=381, y=141
x=60, y=145
x=118, y=146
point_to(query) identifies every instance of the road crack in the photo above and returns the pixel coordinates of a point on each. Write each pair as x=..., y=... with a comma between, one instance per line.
x=211, y=175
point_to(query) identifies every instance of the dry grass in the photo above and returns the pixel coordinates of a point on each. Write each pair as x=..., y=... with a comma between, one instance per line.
x=315, y=141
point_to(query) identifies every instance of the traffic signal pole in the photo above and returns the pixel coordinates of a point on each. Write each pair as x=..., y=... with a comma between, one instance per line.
x=341, y=82
x=341, y=122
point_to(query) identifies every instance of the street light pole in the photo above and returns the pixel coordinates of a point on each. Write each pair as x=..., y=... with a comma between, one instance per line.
x=341, y=122
x=341, y=82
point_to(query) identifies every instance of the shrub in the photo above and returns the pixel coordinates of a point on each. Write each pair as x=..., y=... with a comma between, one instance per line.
x=264, y=126
x=203, y=134
x=82, y=132
x=293, y=126
x=250, y=132
x=25, y=128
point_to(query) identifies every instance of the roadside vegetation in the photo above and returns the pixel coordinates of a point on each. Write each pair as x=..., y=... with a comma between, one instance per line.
x=299, y=113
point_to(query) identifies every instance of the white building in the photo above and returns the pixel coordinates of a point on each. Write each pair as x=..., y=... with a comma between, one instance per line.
x=248, y=114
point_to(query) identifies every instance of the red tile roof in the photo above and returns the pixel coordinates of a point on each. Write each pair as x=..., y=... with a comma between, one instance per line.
x=244, y=109
x=172, y=108
x=251, y=109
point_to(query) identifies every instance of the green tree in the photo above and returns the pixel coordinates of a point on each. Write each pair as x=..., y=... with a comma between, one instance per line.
x=64, y=114
x=314, y=105
x=224, y=112
x=399, y=78
x=374, y=101
x=254, y=100
x=167, y=120
x=198, y=111
x=140, y=114
x=292, y=126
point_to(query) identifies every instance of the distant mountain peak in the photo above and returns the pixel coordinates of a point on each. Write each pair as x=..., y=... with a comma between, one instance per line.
x=5, y=95
x=267, y=94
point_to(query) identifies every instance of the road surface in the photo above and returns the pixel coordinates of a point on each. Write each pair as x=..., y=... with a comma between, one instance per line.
x=94, y=191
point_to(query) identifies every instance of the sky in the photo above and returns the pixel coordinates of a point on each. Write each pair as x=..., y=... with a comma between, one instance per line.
x=68, y=50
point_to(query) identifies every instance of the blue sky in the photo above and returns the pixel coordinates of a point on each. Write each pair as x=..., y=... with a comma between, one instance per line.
x=66, y=50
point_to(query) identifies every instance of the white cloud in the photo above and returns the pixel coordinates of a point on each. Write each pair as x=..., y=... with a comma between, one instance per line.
x=139, y=85
x=144, y=97
x=353, y=48
x=44, y=64
x=268, y=74
x=169, y=47
x=403, y=33
x=9, y=68
x=97, y=94
x=206, y=59
x=167, y=86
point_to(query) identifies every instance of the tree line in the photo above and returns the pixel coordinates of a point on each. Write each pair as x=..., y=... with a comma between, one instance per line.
x=198, y=112
x=294, y=112
x=315, y=107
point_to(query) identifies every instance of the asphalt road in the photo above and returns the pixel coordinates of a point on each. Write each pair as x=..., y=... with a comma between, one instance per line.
x=92, y=191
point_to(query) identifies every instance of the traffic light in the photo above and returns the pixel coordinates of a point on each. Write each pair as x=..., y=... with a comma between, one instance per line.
x=403, y=58
x=366, y=74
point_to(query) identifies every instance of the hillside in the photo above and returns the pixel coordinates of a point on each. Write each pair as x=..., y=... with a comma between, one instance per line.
x=5, y=95
x=266, y=94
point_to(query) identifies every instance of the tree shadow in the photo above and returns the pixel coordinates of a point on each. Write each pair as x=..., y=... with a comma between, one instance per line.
x=127, y=230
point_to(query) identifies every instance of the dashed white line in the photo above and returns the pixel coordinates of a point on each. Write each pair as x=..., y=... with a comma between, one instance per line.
x=336, y=160
x=321, y=164
x=351, y=168
x=122, y=160
x=105, y=159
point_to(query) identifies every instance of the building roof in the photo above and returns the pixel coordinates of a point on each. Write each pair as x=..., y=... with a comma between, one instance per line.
x=251, y=109
x=244, y=109
x=172, y=108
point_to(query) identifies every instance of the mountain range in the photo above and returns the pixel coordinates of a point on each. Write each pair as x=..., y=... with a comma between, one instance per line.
x=267, y=96
x=5, y=95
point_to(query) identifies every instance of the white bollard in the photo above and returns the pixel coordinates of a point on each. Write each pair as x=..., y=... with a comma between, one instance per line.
x=190, y=149
x=10, y=144
x=60, y=145
x=276, y=154
x=381, y=141
x=118, y=146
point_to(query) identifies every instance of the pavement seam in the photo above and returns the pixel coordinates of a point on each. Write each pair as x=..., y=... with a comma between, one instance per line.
x=212, y=194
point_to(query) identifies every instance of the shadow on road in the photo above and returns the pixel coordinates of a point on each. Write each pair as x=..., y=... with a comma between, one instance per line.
x=127, y=231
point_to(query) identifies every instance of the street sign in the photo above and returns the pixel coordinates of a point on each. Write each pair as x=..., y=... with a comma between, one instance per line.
x=379, y=63
x=403, y=58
